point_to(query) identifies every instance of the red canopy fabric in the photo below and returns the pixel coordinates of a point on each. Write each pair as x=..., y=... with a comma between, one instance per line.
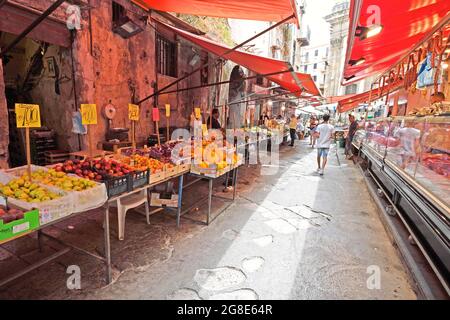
x=258, y=64
x=405, y=23
x=350, y=102
x=263, y=10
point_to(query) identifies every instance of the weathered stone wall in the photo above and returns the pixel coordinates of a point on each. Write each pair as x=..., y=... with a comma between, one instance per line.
x=111, y=70
x=4, y=138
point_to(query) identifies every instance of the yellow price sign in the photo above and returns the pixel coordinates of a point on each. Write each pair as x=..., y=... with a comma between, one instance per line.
x=198, y=113
x=205, y=129
x=133, y=112
x=168, y=110
x=88, y=114
x=28, y=116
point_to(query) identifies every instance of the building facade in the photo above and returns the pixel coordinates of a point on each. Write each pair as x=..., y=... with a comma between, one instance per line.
x=314, y=61
x=90, y=53
x=338, y=20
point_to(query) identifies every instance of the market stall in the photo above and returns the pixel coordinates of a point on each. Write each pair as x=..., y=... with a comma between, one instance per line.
x=408, y=156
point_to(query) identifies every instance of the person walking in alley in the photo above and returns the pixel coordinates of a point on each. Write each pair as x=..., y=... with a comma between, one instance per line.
x=214, y=122
x=293, y=128
x=300, y=128
x=351, y=133
x=324, y=134
x=312, y=128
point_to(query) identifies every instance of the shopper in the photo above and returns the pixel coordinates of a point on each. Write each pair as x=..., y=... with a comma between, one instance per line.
x=293, y=129
x=300, y=128
x=324, y=134
x=312, y=128
x=214, y=122
x=351, y=133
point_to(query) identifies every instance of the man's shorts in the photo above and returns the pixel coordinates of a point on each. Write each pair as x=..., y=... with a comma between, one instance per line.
x=323, y=152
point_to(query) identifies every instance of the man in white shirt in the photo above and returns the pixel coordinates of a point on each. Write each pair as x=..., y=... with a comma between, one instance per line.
x=324, y=134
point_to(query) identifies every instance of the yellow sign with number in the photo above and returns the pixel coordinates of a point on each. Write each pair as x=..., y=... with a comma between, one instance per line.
x=28, y=116
x=133, y=112
x=168, y=110
x=88, y=114
x=198, y=113
x=205, y=129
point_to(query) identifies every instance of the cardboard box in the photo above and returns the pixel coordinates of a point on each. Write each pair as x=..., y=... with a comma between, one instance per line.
x=160, y=200
x=15, y=228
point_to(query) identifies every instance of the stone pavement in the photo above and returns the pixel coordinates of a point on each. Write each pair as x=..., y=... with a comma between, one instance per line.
x=293, y=235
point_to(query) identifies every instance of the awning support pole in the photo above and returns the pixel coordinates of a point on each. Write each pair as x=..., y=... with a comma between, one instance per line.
x=223, y=56
x=33, y=25
x=223, y=82
x=263, y=98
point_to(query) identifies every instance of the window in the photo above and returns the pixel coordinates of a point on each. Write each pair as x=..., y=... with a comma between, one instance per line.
x=259, y=80
x=315, y=66
x=316, y=53
x=307, y=56
x=306, y=68
x=166, y=56
x=315, y=78
x=118, y=12
x=351, y=89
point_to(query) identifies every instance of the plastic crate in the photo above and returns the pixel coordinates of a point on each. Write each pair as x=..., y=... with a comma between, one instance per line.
x=117, y=185
x=139, y=179
x=15, y=228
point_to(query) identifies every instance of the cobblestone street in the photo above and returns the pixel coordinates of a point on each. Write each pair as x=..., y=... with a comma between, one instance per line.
x=293, y=235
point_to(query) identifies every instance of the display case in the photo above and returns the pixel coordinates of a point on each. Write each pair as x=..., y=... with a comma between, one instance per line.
x=418, y=147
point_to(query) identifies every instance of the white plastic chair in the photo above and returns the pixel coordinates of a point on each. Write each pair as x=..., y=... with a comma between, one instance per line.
x=130, y=202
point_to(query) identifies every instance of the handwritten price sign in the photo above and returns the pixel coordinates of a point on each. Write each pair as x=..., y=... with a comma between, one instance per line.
x=168, y=110
x=198, y=113
x=133, y=112
x=28, y=116
x=88, y=114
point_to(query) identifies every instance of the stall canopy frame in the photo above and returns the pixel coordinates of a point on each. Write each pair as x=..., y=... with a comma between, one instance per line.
x=261, y=10
x=405, y=23
x=278, y=71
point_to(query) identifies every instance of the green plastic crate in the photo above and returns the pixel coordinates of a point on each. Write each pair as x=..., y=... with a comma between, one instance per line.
x=18, y=227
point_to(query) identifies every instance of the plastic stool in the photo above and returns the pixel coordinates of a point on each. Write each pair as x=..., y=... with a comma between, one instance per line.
x=130, y=202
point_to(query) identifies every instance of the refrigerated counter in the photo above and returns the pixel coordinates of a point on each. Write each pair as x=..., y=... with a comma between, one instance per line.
x=409, y=157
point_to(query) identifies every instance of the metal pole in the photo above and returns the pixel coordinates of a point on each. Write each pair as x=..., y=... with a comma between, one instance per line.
x=33, y=25
x=216, y=59
x=107, y=245
x=264, y=98
x=208, y=217
x=224, y=82
x=180, y=197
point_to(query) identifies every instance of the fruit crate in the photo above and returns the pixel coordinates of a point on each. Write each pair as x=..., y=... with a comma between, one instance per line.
x=211, y=172
x=185, y=167
x=172, y=171
x=118, y=185
x=157, y=177
x=16, y=228
x=139, y=179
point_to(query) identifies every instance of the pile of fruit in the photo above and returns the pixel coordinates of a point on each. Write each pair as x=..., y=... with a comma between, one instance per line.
x=163, y=152
x=130, y=151
x=23, y=189
x=141, y=163
x=61, y=180
x=98, y=169
x=10, y=215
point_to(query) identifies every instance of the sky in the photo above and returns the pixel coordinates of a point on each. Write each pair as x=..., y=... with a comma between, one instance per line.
x=315, y=11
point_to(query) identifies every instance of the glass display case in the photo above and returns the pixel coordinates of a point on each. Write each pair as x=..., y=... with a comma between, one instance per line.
x=416, y=146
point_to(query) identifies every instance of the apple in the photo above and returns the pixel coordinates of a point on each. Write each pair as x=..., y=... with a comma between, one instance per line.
x=59, y=168
x=98, y=177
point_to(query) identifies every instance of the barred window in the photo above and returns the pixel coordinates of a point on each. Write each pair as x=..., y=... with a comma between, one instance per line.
x=166, y=56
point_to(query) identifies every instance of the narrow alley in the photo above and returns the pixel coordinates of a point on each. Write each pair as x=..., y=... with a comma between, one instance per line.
x=293, y=235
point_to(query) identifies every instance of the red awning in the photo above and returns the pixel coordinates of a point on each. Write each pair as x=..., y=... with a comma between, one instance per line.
x=296, y=83
x=405, y=23
x=263, y=10
x=350, y=102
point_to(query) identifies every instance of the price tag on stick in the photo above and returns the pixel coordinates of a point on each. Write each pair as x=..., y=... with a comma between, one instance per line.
x=89, y=117
x=168, y=121
x=155, y=114
x=198, y=113
x=133, y=112
x=88, y=114
x=28, y=116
